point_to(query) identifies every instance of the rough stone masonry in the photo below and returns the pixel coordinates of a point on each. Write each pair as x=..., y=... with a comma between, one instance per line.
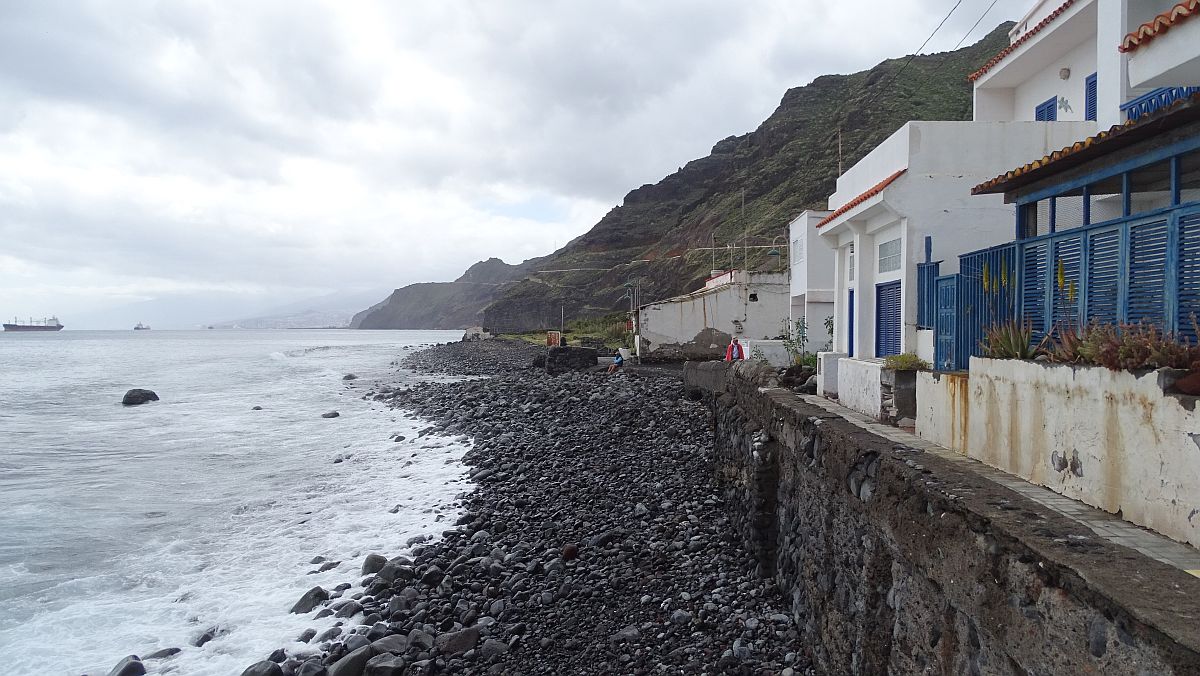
x=898, y=561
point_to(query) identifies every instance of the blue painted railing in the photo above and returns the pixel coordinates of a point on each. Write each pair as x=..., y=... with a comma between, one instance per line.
x=982, y=294
x=927, y=274
x=1151, y=101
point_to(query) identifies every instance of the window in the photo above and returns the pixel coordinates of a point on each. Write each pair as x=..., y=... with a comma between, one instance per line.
x=1089, y=98
x=850, y=263
x=889, y=256
x=1047, y=112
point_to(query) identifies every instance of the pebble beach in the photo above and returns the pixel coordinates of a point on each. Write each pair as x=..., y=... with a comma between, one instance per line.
x=593, y=541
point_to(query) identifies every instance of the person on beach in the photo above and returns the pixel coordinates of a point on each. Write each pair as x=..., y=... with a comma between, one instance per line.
x=734, y=351
x=618, y=362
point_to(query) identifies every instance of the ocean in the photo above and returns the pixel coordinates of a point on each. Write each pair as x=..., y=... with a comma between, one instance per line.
x=125, y=530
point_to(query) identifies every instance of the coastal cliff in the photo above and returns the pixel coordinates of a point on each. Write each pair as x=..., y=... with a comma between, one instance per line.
x=788, y=164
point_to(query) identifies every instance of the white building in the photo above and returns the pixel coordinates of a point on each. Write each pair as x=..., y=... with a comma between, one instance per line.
x=1163, y=50
x=699, y=325
x=811, y=278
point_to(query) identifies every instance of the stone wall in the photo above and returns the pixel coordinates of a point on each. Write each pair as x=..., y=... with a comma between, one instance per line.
x=901, y=562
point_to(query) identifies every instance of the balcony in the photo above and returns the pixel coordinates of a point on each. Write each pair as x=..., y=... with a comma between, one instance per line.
x=1155, y=100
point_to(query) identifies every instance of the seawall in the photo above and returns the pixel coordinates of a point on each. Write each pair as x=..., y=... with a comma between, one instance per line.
x=898, y=561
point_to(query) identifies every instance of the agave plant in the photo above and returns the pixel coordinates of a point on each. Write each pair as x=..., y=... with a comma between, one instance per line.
x=1010, y=340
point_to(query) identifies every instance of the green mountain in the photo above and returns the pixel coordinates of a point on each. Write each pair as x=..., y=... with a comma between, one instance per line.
x=658, y=235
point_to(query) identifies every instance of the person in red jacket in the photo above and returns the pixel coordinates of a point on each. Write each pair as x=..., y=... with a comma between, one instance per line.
x=734, y=351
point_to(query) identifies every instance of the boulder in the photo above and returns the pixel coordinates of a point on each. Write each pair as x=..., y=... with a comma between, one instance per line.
x=373, y=564
x=563, y=359
x=385, y=665
x=264, y=668
x=311, y=599
x=395, y=644
x=349, y=376
x=457, y=642
x=130, y=666
x=330, y=414
x=311, y=668
x=352, y=664
x=136, y=397
x=162, y=654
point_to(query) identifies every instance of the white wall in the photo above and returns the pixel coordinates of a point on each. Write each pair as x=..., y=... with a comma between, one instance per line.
x=943, y=408
x=772, y=351
x=827, y=373
x=701, y=323
x=1047, y=83
x=1108, y=438
x=1172, y=59
x=859, y=386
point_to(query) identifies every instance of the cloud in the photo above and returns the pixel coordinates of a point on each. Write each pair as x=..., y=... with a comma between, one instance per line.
x=275, y=146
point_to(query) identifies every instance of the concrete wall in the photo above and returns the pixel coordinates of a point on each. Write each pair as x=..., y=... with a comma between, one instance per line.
x=943, y=409
x=1108, y=438
x=860, y=386
x=903, y=562
x=699, y=325
x=827, y=373
x=924, y=344
x=772, y=351
x=1170, y=60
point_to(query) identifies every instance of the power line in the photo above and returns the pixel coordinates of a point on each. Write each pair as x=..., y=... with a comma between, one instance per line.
x=913, y=56
x=979, y=21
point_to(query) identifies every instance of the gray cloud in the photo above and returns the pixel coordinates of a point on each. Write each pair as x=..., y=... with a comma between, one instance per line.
x=279, y=144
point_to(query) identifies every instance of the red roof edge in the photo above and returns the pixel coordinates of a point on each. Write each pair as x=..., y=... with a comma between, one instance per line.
x=1041, y=25
x=1159, y=24
x=870, y=192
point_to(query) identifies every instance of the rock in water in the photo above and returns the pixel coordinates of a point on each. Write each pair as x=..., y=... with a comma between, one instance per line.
x=130, y=666
x=373, y=564
x=352, y=664
x=161, y=654
x=311, y=599
x=136, y=397
x=349, y=376
x=331, y=414
x=264, y=668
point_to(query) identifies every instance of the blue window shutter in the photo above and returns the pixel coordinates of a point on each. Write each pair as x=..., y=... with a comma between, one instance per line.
x=887, y=319
x=1065, y=292
x=1089, y=97
x=850, y=324
x=1147, y=273
x=1047, y=112
x=1033, y=288
x=1189, y=274
x=1104, y=277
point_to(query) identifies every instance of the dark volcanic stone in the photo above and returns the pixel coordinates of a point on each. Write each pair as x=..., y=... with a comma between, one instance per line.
x=311, y=599
x=161, y=654
x=562, y=359
x=373, y=564
x=330, y=414
x=352, y=664
x=458, y=642
x=136, y=397
x=264, y=668
x=130, y=666
x=385, y=665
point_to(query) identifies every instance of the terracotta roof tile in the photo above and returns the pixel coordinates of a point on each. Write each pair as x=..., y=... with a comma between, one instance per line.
x=1159, y=25
x=1041, y=25
x=870, y=192
x=1074, y=149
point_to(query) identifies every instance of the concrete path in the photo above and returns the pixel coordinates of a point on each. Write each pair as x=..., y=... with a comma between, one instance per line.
x=1103, y=524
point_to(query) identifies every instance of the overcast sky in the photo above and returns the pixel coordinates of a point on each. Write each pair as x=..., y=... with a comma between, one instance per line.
x=294, y=148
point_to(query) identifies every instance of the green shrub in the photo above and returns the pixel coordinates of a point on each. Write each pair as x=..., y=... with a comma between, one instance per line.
x=905, y=362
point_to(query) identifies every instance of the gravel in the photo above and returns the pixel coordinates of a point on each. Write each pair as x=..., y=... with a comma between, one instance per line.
x=594, y=542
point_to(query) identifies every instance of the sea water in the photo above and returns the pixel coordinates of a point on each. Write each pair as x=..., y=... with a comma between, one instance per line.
x=124, y=530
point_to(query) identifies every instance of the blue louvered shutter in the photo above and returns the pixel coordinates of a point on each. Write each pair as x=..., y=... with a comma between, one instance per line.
x=1064, y=294
x=1089, y=97
x=1189, y=274
x=1047, y=112
x=945, y=335
x=1147, y=273
x=887, y=319
x=1033, y=288
x=1104, y=277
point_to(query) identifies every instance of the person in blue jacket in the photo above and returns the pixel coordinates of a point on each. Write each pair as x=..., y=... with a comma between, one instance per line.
x=618, y=362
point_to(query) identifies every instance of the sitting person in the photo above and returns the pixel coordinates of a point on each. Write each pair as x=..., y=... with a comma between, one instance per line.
x=618, y=362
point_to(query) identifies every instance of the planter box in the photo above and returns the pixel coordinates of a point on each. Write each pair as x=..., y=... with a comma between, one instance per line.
x=1111, y=439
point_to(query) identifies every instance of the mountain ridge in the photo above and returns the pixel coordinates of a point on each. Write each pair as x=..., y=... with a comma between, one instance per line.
x=750, y=184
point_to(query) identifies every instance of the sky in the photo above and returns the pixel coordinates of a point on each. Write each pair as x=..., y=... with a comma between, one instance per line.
x=284, y=149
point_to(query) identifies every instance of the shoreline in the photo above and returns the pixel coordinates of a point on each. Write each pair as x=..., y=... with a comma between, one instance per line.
x=593, y=540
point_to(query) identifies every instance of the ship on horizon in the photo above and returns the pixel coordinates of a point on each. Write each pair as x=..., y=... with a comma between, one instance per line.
x=141, y=327
x=47, y=324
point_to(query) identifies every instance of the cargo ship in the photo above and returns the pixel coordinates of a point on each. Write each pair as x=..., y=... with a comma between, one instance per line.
x=141, y=327
x=49, y=324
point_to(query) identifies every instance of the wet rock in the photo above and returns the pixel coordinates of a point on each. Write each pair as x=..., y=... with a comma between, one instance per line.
x=353, y=664
x=306, y=636
x=162, y=654
x=349, y=376
x=264, y=668
x=396, y=644
x=330, y=414
x=311, y=599
x=385, y=665
x=130, y=666
x=208, y=635
x=137, y=397
x=373, y=564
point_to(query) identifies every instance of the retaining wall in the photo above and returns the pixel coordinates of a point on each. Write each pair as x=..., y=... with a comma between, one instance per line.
x=903, y=562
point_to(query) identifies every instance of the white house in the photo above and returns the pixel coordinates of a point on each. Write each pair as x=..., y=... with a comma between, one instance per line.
x=811, y=272
x=1163, y=48
x=698, y=325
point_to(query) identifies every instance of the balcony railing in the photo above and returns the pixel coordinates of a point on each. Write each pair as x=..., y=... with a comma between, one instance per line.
x=1155, y=100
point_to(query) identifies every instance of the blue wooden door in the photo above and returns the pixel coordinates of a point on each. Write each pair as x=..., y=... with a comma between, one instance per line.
x=850, y=324
x=946, y=330
x=887, y=319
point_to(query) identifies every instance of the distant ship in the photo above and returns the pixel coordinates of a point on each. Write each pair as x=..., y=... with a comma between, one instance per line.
x=50, y=324
x=141, y=327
